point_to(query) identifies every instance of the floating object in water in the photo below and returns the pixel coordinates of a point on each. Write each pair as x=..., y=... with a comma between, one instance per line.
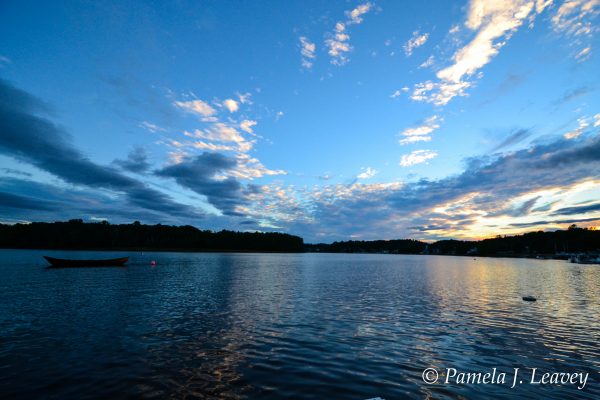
x=153, y=262
x=67, y=263
x=529, y=298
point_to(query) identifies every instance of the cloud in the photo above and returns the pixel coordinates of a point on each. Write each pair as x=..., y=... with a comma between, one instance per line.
x=338, y=42
x=421, y=133
x=591, y=208
x=355, y=16
x=4, y=61
x=574, y=17
x=367, y=173
x=30, y=138
x=427, y=63
x=231, y=105
x=516, y=136
x=151, y=127
x=573, y=94
x=417, y=40
x=246, y=125
x=456, y=206
x=494, y=23
x=307, y=50
x=204, y=175
x=582, y=126
x=15, y=172
x=137, y=161
x=196, y=107
x=417, y=157
x=584, y=54
x=9, y=200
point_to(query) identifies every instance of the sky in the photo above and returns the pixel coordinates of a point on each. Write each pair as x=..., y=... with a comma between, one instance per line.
x=331, y=120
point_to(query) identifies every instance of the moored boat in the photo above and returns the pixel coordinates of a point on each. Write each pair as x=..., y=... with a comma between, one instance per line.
x=63, y=263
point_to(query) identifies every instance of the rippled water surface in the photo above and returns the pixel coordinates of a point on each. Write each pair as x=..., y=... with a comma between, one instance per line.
x=302, y=326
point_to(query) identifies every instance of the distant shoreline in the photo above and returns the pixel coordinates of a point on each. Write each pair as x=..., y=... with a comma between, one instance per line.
x=76, y=235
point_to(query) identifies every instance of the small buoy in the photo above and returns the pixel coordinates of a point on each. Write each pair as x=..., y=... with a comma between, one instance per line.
x=152, y=262
x=529, y=298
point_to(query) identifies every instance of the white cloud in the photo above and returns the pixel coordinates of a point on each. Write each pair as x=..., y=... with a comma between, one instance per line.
x=494, y=22
x=417, y=40
x=5, y=61
x=244, y=98
x=338, y=42
x=584, y=54
x=196, y=107
x=307, y=50
x=231, y=105
x=414, y=139
x=246, y=125
x=212, y=147
x=367, y=173
x=338, y=45
x=427, y=63
x=573, y=17
x=417, y=157
x=597, y=120
x=583, y=124
x=421, y=133
x=356, y=14
x=151, y=127
x=220, y=132
x=398, y=93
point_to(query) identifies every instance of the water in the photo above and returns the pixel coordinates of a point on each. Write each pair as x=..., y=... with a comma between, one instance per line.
x=302, y=326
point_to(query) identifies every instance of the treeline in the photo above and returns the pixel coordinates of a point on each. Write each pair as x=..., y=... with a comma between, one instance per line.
x=552, y=244
x=76, y=234
x=399, y=246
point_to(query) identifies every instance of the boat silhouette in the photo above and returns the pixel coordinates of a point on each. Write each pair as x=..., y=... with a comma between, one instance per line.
x=69, y=263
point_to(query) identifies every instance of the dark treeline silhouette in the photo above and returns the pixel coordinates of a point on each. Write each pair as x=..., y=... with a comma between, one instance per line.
x=400, y=246
x=532, y=244
x=76, y=234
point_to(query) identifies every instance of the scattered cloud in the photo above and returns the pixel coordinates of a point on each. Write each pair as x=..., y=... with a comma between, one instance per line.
x=307, y=50
x=338, y=42
x=584, y=54
x=574, y=17
x=355, y=16
x=151, y=127
x=367, y=173
x=196, y=107
x=421, y=133
x=246, y=125
x=427, y=63
x=231, y=105
x=4, y=61
x=494, y=24
x=583, y=124
x=417, y=40
x=417, y=157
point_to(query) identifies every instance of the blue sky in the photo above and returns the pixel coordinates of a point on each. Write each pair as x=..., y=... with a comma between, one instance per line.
x=331, y=120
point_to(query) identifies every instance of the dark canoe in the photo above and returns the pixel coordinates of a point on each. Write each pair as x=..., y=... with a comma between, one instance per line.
x=111, y=262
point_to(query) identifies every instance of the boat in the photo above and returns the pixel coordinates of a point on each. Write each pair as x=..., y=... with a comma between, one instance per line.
x=66, y=263
x=529, y=298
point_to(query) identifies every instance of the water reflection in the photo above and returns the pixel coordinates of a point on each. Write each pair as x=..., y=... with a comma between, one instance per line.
x=298, y=326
